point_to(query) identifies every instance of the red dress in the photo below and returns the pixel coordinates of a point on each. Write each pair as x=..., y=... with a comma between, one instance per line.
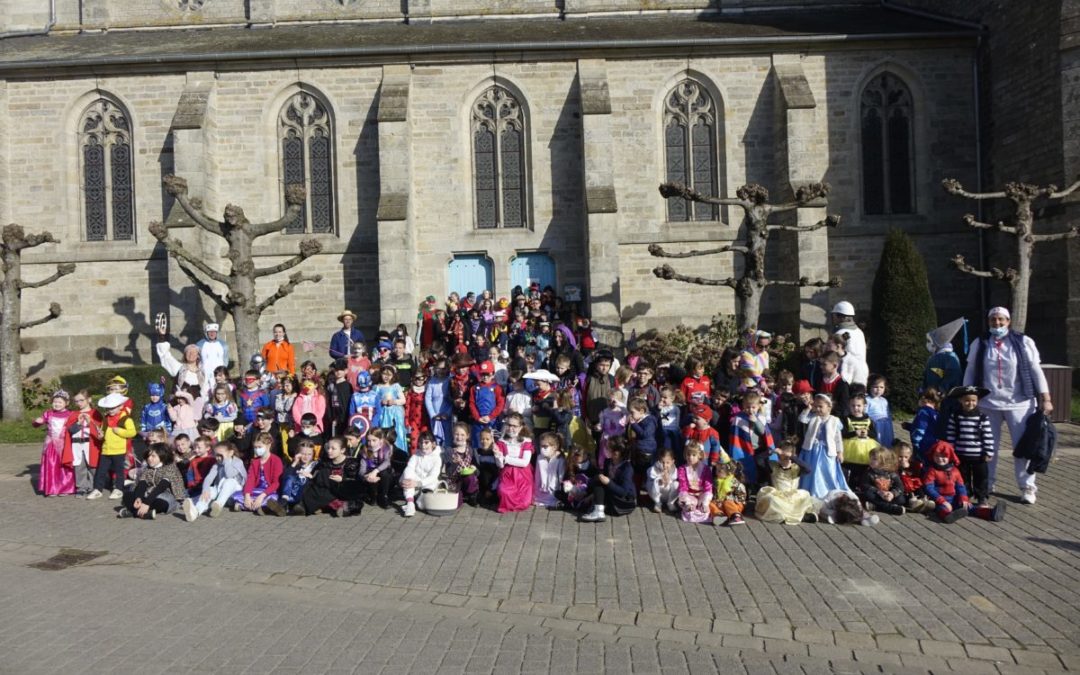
x=416, y=417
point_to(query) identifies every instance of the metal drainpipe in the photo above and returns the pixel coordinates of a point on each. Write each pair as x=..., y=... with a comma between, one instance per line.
x=29, y=33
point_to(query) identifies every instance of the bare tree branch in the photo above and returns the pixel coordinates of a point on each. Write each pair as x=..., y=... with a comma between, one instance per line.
x=1074, y=232
x=286, y=288
x=829, y=221
x=177, y=187
x=812, y=194
x=295, y=196
x=54, y=311
x=62, y=269
x=667, y=272
x=668, y=190
x=1010, y=275
x=1000, y=225
x=204, y=287
x=658, y=251
x=805, y=281
x=14, y=238
x=953, y=187
x=308, y=248
x=1058, y=194
x=176, y=248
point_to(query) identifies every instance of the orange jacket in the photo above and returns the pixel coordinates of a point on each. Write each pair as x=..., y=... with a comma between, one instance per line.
x=279, y=356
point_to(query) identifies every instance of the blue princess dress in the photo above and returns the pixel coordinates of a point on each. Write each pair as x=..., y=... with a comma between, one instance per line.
x=826, y=475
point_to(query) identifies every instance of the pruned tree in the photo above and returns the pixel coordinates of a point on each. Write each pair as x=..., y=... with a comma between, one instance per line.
x=1023, y=197
x=13, y=242
x=238, y=300
x=753, y=200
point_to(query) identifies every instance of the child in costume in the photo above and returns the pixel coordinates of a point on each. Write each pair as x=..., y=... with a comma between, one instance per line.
x=550, y=468
x=729, y=495
x=860, y=438
x=695, y=484
x=365, y=402
x=54, y=478
x=118, y=429
x=670, y=423
x=580, y=472
x=392, y=406
x=944, y=484
x=842, y=507
x=309, y=400
x=225, y=478
x=421, y=474
x=882, y=489
x=877, y=407
x=82, y=446
x=696, y=386
x=700, y=431
x=662, y=482
x=461, y=472
x=486, y=401
x=155, y=414
x=159, y=488
x=782, y=501
x=645, y=429
x=830, y=382
x=440, y=410
x=486, y=464
x=910, y=471
x=252, y=396
x=260, y=491
x=298, y=473
x=751, y=440
x=923, y=428
x=968, y=430
x=185, y=411
x=416, y=416
x=513, y=455
x=613, y=490
x=224, y=410
x=822, y=450
x=376, y=467
x=612, y=424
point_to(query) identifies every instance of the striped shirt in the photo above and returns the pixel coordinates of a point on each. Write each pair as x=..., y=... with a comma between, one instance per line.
x=970, y=434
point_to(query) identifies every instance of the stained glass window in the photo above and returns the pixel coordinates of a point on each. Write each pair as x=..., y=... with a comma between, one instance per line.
x=107, y=172
x=888, y=165
x=307, y=158
x=691, y=149
x=500, y=174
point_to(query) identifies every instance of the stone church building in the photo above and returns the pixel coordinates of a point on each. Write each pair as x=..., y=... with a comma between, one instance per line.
x=452, y=145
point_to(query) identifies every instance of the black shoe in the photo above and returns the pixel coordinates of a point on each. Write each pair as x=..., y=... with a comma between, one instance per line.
x=274, y=508
x=955, y=515
x=810, y=518
x=998, y=513
x=383, y=504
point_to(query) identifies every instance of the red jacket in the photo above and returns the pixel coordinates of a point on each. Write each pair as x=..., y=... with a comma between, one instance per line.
x=68, y=457
x=697, y=390
x=912, y=477
x=271, y=466
x=416, y=417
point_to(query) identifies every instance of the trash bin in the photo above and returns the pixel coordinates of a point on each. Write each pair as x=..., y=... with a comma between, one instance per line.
x=1059, y=379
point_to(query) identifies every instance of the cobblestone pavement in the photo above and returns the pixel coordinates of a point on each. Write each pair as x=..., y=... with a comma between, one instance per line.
x=537, y=591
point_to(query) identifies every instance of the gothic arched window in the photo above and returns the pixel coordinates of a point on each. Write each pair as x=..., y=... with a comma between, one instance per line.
x=307, y=158
x=888, y=160
x=106, y=170
x=500, y=177
x=690, y=148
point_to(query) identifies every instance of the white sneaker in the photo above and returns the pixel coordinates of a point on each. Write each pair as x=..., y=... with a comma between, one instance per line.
x=116, y=494
x=1028, y=497
x=594, y=516
x=409, y=510
x=190, y=512
x=96, y=494
x=215, y=509
x=871, y=519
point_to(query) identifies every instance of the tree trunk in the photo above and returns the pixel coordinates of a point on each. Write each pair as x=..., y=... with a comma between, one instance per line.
x=752, y=284
x=246, y=324
x=1026, y=250
x=245, y=311
x=10, y=345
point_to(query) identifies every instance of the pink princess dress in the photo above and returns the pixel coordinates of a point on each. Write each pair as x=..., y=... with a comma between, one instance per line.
x=54, y=478
x=516, y=475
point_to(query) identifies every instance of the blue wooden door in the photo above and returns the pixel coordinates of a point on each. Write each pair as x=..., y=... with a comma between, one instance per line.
x=529, y=267
x=471, y=273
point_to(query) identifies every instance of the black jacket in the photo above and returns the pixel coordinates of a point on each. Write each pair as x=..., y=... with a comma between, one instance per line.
x=1037, y=443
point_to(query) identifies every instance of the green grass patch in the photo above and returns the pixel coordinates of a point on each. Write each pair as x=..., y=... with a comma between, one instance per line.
x=138, y=377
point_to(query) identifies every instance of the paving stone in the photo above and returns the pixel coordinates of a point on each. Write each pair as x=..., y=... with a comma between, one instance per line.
x=866, y=656
x=769, y=630
x=896, y=643
x=450, y=600
x=636, y=632
x=984, y=653
x=484, y=604
x=814, y=635
x=1044, y=660
x=731, y=627
x=944, y=649
x=618, y=616
x=744, y=642
x=854, y=640
x=654, y=620
x=674, y=635
x=695, y=623
x=513, y=606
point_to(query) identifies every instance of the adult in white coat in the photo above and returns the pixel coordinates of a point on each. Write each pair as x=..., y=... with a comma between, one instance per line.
x=843, y=315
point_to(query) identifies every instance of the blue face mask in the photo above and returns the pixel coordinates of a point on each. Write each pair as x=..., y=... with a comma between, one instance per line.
x=999, y=332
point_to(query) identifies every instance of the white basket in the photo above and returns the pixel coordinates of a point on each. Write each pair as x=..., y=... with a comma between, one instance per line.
x=440, y=502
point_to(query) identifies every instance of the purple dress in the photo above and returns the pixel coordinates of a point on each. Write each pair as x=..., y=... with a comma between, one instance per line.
x=54, y=478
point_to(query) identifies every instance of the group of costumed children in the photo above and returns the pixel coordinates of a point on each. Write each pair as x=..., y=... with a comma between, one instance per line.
x=565, y=427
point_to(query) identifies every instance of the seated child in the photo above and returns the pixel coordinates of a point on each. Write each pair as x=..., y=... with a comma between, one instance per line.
x=376, y=468
x=159, y=489
x=910, y=470
x=486, y=464
x=333, y=485
x=223, y=480
x=695, y=485
x=260, y=490
x=704, y=435
x=882, y=489
x=842, y=507
x=944, y=484
x=298, y=473
x=613, y=490
x=200, y=464
x=729, y=495
x=461, y=473
x=580, y=471
x=782, y=501
x=670, y=422
x=550, y=467
x=421, y=474
x=309, y=430
x=662, y=482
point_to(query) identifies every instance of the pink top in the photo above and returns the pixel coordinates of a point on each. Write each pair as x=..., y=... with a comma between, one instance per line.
x=309, y=403
x=695, y=482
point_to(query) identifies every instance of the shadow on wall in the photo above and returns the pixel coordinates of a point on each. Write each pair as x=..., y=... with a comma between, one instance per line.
x=360, y=262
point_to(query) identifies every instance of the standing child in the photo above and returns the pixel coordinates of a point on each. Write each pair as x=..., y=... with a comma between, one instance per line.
x=519, y=400
x=252, y=396
x=461, y=472
x=185, y=411
x=923, y=428
x=877, y=407
x=224, y=479
x=486, y=401
x=882, y=489
x=729, y=495
x=823, y=450
x=645, y=430
x=437, y=403
x=82, y=446
x=968, y=429
x=612, y=424
x=704, y=435
x=155, y=414
x=751, y=440
x=695, y=485
x=486, y=464
x=364, y=408
x=830, y=382
x=338, y=394
x=662, y=482
x=118, y=429
x=860, y=438
x=782, y=501
x=550, y=468
x=513, y=455
x=416, y=416
x=54, y=478
x=696, y=387
x=644, y=387
x=309, y=400
x=421, y=474
x=223, y=409
x=392, y=406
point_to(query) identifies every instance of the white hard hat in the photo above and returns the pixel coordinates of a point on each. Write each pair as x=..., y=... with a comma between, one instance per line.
x=844, y=307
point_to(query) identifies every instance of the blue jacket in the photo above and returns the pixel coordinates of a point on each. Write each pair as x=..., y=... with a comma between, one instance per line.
x=646, y=433
x=155, y=416
x=339, y=343
x=621, y=491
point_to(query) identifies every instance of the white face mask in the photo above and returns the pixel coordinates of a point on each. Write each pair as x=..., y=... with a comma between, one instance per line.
x=260, y=451
x=1000, y=331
